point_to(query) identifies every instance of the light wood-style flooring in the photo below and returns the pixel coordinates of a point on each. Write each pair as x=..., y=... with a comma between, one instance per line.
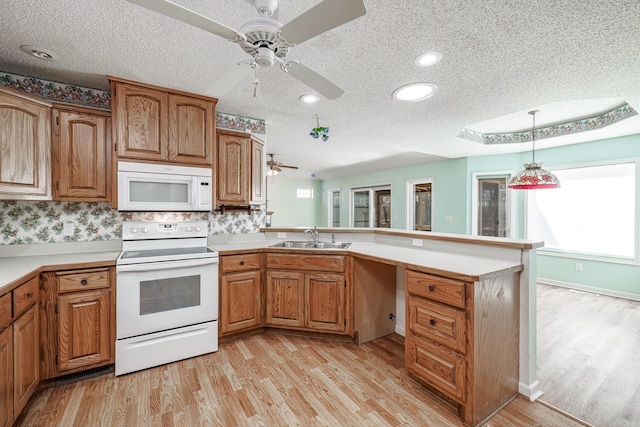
x=269, y=380
x=589, y=355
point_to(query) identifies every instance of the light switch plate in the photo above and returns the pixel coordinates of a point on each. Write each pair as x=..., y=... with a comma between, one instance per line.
x=68, y=229
x=448, y=218
x=282, y=235
x=417, y=242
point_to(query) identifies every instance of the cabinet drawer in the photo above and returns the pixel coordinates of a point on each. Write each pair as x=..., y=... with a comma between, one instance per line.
x=448, y=291
x=83, y=280
x=5, y=310
x=437, y=366
x=241, y=262
x=24, y=296
x=306, y=262
x=437, y=322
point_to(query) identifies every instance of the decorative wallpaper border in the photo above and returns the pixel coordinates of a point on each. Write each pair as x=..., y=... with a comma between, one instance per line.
x=620, y=113
x=96, y=98
x=27, y=222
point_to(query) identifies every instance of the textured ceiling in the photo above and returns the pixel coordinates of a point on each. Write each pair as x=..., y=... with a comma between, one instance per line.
x=499, y=58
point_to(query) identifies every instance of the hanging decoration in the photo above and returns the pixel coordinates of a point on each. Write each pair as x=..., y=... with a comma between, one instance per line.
x=533, y=177
x=320, y=131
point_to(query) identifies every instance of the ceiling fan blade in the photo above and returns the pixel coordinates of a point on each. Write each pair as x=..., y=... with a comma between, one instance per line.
x=314, y=80
x=322, y=17
x=187, y=16
x=290, y=167
x=230, y=79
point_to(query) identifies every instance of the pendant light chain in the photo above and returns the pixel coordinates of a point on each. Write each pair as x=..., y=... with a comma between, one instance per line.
x=533, y=134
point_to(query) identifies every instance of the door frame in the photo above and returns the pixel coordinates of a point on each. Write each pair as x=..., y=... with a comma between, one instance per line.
x=511, y=209
x=410, y=185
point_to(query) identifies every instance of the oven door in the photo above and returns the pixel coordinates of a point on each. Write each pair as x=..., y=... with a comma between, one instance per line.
x=158, y=296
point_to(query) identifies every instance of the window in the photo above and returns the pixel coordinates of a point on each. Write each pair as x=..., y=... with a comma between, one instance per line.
x=492, y=210
x=304, y=193
x=419, y=201
x=594, y=212
x=371, y=207
x=334, y=208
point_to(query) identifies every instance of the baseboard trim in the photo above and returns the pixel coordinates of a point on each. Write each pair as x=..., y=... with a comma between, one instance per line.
x=400, y=330
x=601, y=291
x=530, y=391
x=566, y=414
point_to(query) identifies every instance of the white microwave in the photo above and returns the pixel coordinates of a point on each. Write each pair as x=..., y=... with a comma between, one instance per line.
x=160, y=187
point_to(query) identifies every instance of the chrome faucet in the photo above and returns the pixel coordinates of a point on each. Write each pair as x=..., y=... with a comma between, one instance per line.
x=314, y=234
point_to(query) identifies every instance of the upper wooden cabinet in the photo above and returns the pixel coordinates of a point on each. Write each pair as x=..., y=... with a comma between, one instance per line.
x=257, y=172
x=80, y=147
x=25, y=147
x=233, y=171
x=156, y=124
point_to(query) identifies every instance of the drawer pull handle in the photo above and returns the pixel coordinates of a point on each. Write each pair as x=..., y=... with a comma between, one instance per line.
x=432, y=322
x=83, y=282
x=241, y=262
x=432, y=288
x=29, y=294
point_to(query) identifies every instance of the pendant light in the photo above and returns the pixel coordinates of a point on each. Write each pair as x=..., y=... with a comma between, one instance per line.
x=533, y=177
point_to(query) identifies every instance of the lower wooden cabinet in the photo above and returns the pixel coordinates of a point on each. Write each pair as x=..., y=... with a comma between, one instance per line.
x=325, y=302
x=26, y=358
x=78, y=320
x=240, y=293
x=285, y=298
x=6, y=373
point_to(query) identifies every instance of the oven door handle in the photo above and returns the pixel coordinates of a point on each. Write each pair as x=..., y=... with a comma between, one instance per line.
x=153, y=266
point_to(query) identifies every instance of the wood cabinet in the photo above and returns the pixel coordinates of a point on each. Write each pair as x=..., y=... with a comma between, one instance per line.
x=308, y=292
x=156, y=124
x=78, y=320
x=233, y=171
x=25, y=147
x=461, y=339
x=240, y=292
x=81, y=153
x=258, y=175
x=19, y=351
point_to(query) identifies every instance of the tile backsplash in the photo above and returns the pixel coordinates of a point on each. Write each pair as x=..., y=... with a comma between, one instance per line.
x=27, y=222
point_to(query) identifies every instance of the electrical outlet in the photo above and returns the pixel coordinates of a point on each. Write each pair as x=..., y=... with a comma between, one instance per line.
x=578, y=266
x=69, y=229
x=448, y=218
x=282, y=235
x=417, y=242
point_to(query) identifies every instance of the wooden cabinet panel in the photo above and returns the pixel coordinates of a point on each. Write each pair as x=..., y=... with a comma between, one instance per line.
x=258, y=175
x=6, y=377
x=5, y=310
x=233, y=168
x=140, y=122
x=328, y=263
x=83, y=280
x=83, y=329
x=191, y=128
x=285, y=298
x=25, y=147
x=26, y=358
x=240, y=298
x=81, y=156
x=436, y=288
x=242, y=262
x=325, y=302
x=437, y=322
x=25, y=295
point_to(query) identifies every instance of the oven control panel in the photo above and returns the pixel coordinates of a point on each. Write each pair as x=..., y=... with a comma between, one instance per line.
x=143, y=230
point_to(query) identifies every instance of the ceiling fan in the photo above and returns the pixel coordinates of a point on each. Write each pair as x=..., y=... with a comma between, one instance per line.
x=275, y=167
x=267, y=40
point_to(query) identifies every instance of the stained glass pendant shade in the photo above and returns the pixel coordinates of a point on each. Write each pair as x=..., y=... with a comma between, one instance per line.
x=533, y=177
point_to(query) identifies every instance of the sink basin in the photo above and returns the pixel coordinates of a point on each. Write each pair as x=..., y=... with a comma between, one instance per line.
x=310, y=245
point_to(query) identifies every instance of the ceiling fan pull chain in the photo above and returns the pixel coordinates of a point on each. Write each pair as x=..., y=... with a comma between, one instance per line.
x=255, y=82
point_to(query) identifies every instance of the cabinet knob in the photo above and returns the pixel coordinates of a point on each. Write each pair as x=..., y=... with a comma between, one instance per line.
x=29, y=294
x=83, y=282
x=432, y=322
x=432, y=288
x=241, y=262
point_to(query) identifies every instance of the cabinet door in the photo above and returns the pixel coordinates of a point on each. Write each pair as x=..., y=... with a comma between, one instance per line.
x=325, y=302
x=285, y=298
x=257, y=171
x=80, y=155
x=191, y=130
x=26, y=358
x=6, y=373
x=240, y=301
x=83, y=329
x=25, y=144
x=140, y=117
x=233, y=169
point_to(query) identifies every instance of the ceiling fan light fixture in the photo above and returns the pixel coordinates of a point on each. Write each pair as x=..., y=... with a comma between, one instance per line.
x=415, y=92
x=309, y=98
x=265, y=57
x=428, y=59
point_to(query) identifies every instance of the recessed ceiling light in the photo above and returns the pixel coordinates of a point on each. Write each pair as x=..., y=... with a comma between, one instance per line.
x=309, y=98
x=39, y=52
x=415, y=92
x=428, y=59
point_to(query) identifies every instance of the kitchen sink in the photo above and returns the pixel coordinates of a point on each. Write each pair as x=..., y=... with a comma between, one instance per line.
x=310, y=245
